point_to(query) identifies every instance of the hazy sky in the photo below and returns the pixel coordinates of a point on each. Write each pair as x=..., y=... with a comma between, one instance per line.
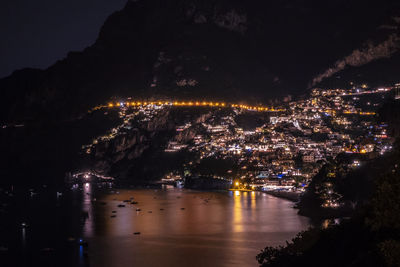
x=37, y=33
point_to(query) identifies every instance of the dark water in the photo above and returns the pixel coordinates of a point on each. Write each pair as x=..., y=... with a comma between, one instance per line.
x=52, y=227
x=185, y=228
x=177, y=227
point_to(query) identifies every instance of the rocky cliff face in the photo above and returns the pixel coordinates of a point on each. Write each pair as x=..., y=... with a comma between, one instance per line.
x=130, y=150
x=196, y=128
x=130, y=144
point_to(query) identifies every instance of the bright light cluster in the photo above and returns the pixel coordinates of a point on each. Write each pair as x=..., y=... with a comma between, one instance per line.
x=193, y=103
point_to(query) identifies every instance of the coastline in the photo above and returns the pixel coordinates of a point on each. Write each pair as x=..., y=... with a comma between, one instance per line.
x=291, y=196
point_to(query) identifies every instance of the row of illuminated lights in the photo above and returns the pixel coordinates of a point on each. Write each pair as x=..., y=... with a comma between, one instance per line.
x=190, y=103
x=360, y=113
x=350, y=112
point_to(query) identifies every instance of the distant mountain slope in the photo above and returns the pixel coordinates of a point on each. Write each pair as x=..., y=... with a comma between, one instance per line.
x=218, y=49
x=382, y=72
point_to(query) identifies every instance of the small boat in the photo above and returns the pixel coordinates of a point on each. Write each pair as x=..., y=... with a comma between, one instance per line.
x=121, y=206
x=182, y=208
x=113, y=216
x=134, y=202
x=114, y=211
x=138, y=209
x=136, y=233
x=161, y=209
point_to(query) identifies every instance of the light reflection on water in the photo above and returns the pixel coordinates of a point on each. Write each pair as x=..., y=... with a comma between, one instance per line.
x=193, y=228
x=23, y=238
x=237, y=212
x=87, y=208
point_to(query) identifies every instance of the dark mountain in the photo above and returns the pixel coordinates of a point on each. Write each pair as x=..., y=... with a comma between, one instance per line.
x=250, y=51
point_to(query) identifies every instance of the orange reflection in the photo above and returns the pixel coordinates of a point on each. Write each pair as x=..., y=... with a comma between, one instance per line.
x=253, y=200
x=237, y=213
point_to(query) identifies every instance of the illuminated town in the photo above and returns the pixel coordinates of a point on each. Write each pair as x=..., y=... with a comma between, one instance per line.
x=285, y=151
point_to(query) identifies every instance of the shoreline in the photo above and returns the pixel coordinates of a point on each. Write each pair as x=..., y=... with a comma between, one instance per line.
x=291, y=196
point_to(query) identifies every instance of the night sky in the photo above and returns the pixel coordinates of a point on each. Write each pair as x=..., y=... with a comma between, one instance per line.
x=37, y=33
